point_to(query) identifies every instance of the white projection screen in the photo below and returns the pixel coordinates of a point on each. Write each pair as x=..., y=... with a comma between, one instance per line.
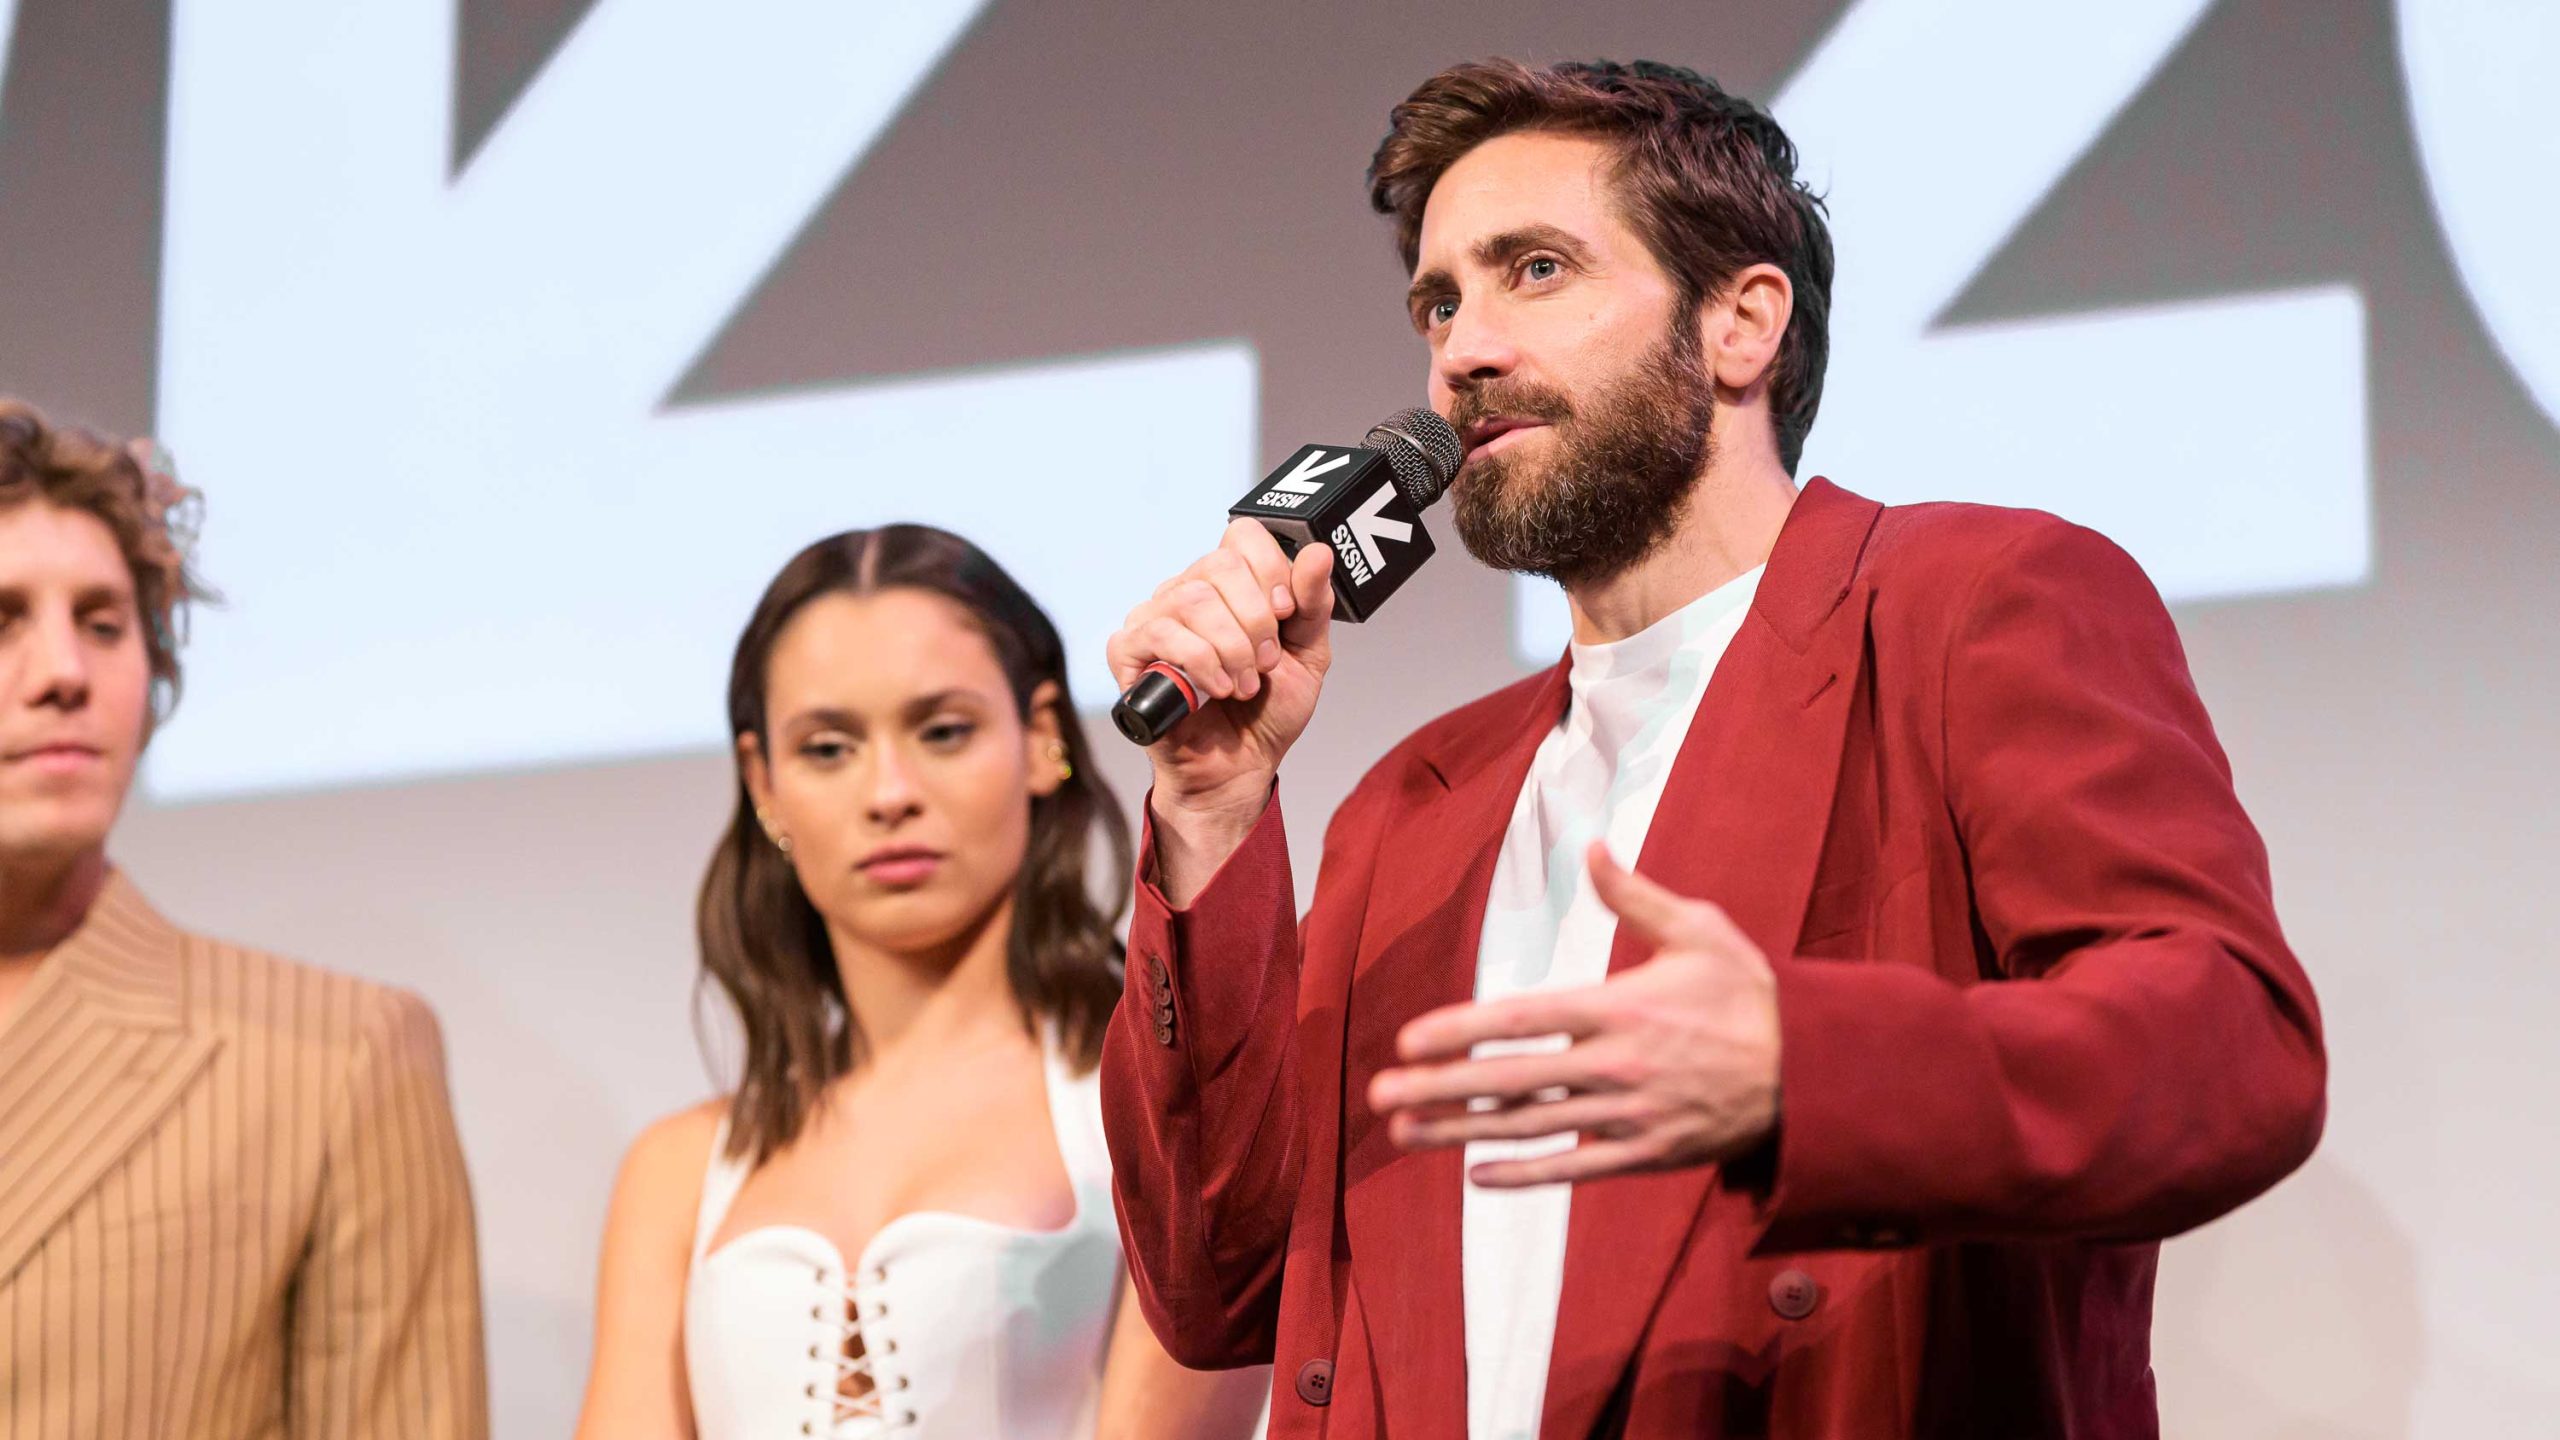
x=514, y=343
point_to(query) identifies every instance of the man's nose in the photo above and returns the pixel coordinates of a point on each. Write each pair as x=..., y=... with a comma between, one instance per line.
x=1478, y=347
x=57, y=664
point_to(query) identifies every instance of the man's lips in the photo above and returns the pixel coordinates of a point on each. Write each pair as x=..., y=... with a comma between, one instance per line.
x=66, y=755
x=1492, y=432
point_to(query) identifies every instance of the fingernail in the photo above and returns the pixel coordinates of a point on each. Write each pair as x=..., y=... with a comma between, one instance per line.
x=1282, y=600
x=1268, y=652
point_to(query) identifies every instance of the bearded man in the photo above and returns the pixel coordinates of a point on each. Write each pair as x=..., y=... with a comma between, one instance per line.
x=1944, y=983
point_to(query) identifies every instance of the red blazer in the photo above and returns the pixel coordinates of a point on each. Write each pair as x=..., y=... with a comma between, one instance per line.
x=1953, y=777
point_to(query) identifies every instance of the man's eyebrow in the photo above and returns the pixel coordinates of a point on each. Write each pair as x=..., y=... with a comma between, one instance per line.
x=1512, y=244
x=1425, y=285
x=1500, y=249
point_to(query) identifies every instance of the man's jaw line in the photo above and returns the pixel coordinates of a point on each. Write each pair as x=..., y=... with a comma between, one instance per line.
x=1704, y=548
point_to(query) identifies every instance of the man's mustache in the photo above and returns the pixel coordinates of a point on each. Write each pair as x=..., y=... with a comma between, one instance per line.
x=1517, y=402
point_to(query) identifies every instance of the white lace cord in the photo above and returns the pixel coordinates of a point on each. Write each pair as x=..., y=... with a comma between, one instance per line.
x=853, y=1310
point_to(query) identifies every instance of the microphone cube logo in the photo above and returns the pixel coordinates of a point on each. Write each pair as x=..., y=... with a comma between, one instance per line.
x=1347, y=498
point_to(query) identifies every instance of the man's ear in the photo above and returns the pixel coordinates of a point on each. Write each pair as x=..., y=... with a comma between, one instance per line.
x=1740, y=326
x=1044, y=743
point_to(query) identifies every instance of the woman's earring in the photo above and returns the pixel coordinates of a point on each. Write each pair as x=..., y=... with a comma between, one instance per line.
x=1066, y=767
x=780, y=841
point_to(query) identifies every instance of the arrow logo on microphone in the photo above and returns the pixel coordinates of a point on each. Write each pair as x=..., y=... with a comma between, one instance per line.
x=1301, y=478
x=1369, y=527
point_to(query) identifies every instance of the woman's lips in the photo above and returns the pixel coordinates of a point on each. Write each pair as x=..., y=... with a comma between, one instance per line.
x=902, y=869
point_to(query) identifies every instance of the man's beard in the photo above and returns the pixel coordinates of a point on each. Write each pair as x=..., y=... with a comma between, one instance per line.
x=1618, y=482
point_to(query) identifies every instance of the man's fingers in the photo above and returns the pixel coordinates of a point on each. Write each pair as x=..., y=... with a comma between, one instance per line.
x=1121, y=653
x=1199, y=607
x=1670, y=921
x=1601, y=1116
x=1309, y=626
x=1249, y=542
x=1495, y=1077
x=1168, y=639
x=1453, y=1030
x=1589, y=1160
x=1248, y=599
x=1233, y=601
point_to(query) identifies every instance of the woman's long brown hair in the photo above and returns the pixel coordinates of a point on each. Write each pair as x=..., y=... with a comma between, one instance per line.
x=765, y=944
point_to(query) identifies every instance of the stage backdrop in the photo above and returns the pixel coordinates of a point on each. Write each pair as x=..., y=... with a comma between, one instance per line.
x=515, y=342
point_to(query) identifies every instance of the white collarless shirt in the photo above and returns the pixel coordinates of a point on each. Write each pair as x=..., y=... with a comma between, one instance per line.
x=1597, y=776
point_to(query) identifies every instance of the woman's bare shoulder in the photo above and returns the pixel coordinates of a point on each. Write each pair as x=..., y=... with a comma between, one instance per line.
x=682, y=1138
x=662, y=1171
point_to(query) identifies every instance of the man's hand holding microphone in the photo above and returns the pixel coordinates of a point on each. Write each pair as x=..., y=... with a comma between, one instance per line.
x=1251, y=629
x=1671, y=1063
x=1221, y=667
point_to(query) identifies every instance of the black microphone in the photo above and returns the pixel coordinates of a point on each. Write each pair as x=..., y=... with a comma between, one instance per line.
x=1366, y=501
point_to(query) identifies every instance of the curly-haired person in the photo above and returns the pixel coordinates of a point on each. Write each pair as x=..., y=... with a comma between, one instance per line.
x=232, y=1202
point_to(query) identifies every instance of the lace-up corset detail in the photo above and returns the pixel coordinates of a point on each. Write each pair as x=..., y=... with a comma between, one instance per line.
x=945, y=1326
x=861, y=1367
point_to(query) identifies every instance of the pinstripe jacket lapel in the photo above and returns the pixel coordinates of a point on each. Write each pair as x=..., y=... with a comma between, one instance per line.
x=99, y=1050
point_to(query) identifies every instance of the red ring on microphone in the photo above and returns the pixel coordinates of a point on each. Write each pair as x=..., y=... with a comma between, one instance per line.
x=1181, y=682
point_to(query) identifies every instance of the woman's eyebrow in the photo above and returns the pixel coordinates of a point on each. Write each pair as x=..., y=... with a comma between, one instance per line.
x=924, y=706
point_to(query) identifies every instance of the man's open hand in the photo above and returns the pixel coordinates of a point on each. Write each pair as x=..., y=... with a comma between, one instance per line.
x=1672, y=1062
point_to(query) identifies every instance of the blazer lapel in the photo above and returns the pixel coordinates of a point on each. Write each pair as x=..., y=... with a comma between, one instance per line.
x=97, y=1053
x=1741, y=823
x=1418, y=952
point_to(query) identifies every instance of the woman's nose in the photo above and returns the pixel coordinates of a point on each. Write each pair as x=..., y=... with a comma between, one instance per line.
x=893, y=795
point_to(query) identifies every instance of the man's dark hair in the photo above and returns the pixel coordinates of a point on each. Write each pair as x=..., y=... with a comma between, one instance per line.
x=1706, y=177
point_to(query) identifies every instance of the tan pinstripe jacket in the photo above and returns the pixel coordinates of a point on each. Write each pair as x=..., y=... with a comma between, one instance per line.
x=231, y=1200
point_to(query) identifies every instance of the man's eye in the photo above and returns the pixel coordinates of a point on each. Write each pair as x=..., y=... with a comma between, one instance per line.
x=109, y=631
x=1442, y=311
x=1542, y=267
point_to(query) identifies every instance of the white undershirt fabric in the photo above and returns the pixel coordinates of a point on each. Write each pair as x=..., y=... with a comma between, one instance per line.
x=1598, y=776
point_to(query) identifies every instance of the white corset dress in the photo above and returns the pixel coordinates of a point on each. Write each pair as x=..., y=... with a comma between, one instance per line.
x=967, y=1329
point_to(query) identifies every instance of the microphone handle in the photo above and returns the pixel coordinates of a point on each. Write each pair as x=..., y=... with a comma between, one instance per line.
x=1161, y=698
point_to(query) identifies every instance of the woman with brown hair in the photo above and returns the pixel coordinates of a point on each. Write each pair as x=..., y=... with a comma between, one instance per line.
x=900, y=1222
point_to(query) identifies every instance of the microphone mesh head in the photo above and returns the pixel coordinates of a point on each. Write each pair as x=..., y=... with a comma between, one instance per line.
x=1422, y=450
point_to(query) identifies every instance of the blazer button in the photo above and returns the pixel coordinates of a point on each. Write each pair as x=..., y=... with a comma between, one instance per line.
x=1794, y=1294
x=1164, y=1032
x=1315, y=1382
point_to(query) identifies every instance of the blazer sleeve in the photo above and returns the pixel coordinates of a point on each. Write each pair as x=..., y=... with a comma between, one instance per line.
x=386, y=1320
x=2147, y=1053
x=1199, y=1097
